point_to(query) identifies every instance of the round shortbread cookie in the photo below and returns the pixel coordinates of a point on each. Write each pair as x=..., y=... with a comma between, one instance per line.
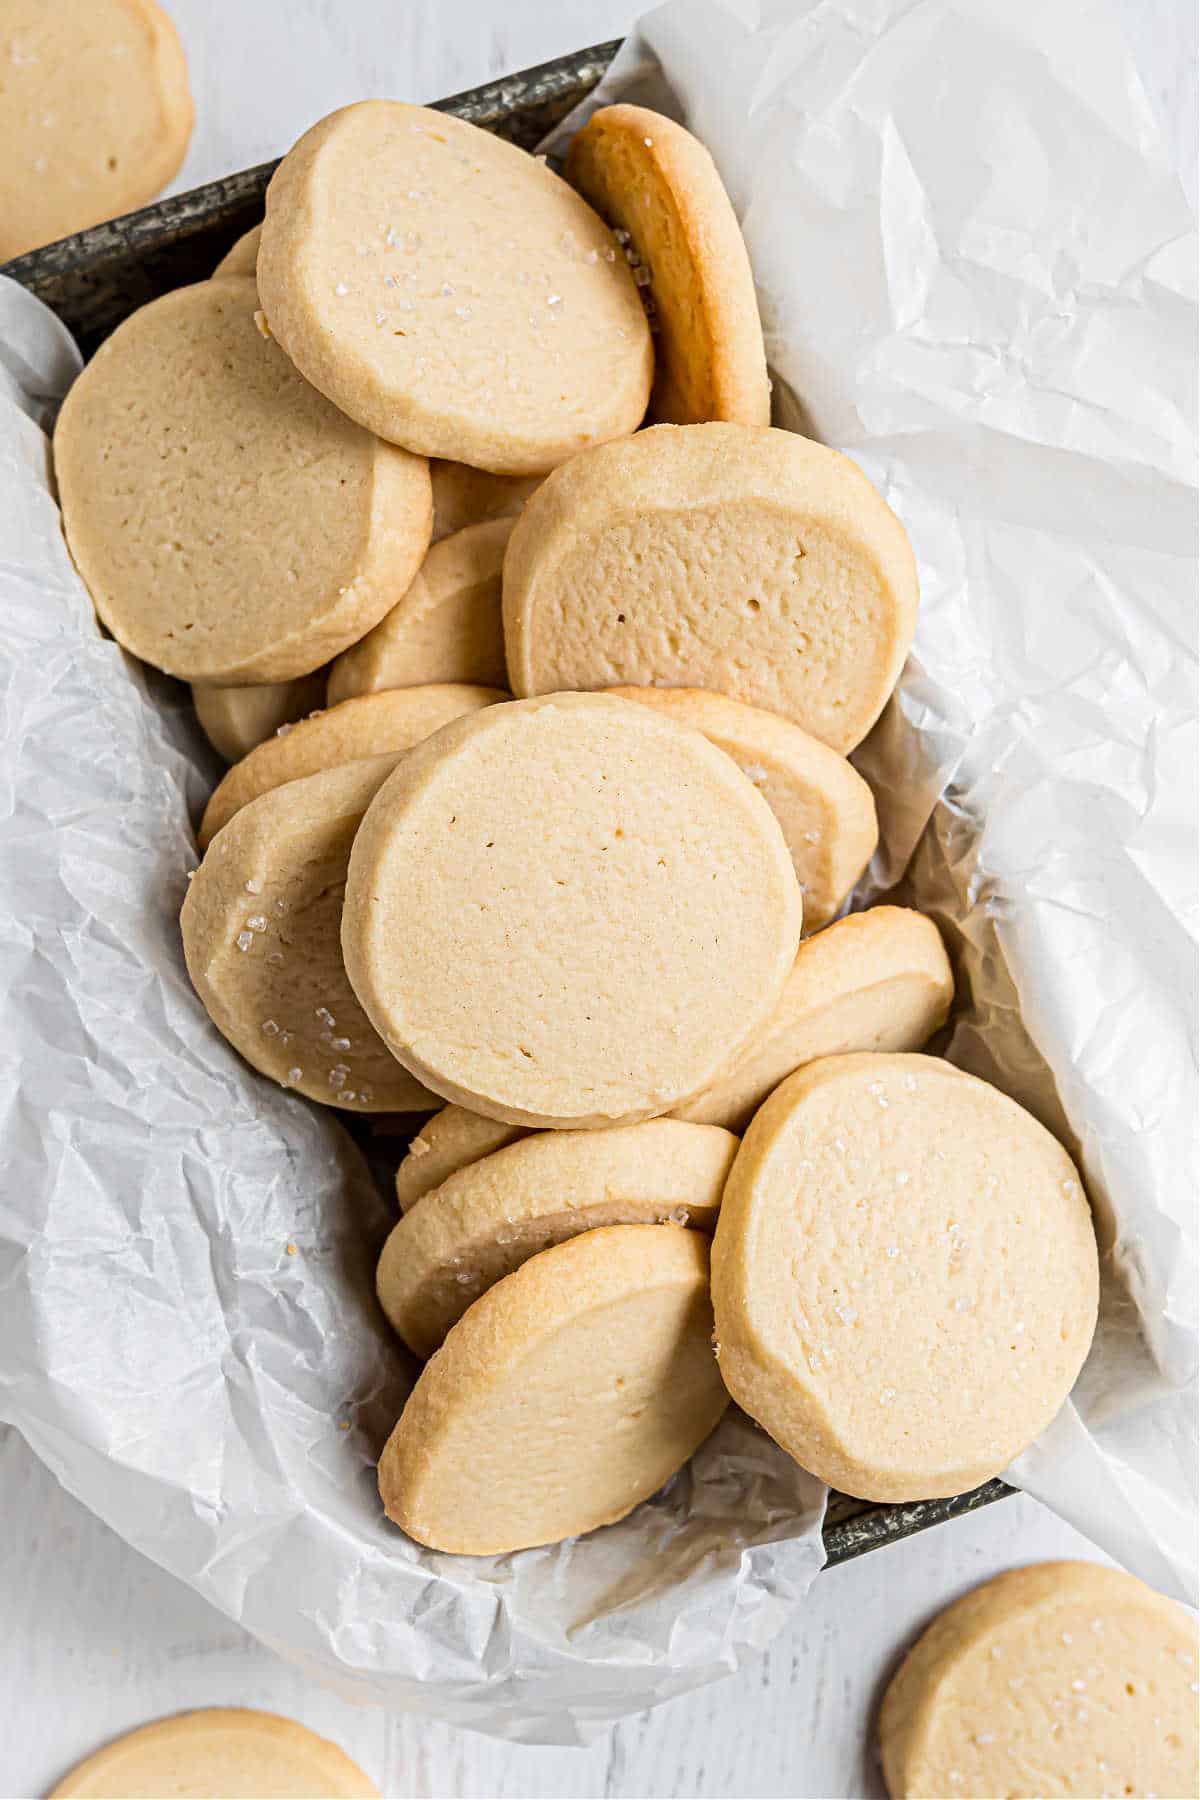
x=904, y=1275
x=570, y=1392
x=236, y=719
x=463, y=496
x=95, y=114
x=242, y=257
x=487, y=1220
x=1060, y=1678
x=825, y=809
x=446, y=1143
x=232, y=526
x=372, y=725
x=447, y=627
x=659, y=187
x=750, y=562
x=260, y=937
x=213, y=1754
x=450, y=292
x=569, y=911
x=879, y=980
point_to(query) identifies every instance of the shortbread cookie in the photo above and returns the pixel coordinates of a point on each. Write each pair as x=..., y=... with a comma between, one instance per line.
x=242, y=257
x=260, y=935
x=569, y=1392
x=904, y=1275
x=569, y=911
x=464, y=496
x=490, y=1218
x=446, y=1143
x=236, y=719
x=659, y=187
x=824, y=807
x=879, y=980
x=751, y=562
x=95, y=114
x=450, y=292
x=1061, y=1678
x=447, y=627
x=212, y=1754
x=369, y=726
x=232, y=526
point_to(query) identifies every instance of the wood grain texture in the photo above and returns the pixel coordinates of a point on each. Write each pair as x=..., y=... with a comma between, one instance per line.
x=97, y=1639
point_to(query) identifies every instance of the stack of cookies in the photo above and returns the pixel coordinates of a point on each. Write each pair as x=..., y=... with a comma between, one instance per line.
x=538, y=655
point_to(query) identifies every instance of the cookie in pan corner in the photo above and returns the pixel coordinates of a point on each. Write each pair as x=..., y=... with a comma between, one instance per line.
x=659, y=188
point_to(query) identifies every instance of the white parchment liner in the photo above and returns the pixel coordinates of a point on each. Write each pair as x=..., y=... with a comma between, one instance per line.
x=973, y=260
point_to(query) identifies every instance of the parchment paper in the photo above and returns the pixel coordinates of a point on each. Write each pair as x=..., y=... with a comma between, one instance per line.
x=973, y=260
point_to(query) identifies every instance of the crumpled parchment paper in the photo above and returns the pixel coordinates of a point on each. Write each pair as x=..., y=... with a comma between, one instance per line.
x=973, y=260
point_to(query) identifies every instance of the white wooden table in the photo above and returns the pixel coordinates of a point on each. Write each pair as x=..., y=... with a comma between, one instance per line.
x=95, y=1639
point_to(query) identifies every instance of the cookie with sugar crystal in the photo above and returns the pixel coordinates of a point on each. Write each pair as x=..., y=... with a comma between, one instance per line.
x=371, y=725
x=1059, y=1678
x=825, y=809
x=447, y=626
x=241, y=258
x=566, y=1395
x=569, y=912
x=447, y=1142
x=463, y=496
x=488, y=1219
x=877, y=980
x=235, y=719
x=450, y=292
x=218, y=1751
x=96, y=114
x=260, y=937
x=905, y=1275
x=659, y=187
x=751, y=562
x=231, y=525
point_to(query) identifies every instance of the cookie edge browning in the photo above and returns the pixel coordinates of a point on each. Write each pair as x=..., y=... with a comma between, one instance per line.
x=577, y=499
x=522, y=1306
x=370, y=845
x=904, y=1716
x=290, y=313
x=751, y=1370
x=516, y=1166
x=724, y=311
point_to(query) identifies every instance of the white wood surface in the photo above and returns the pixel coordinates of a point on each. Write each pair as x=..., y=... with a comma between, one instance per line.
x=95, y=1639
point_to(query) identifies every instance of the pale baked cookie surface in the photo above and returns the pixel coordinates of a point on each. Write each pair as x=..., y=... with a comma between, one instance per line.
x=751, y=562
x=241, y=258
x=446, y=1143
x=95, y=114
x=463, y=496
x=260, y=936
x=215, y=1753
x=450, y=292
x=231, y=525
x=372, y=725
x=564, y=1396
x=904, y=1275
x=236, y=719
x=488, y=1219
x=446, y=627
x=825, y=809
x=1060, y=1678
x=569, y=911
x=878, y=980
x=657, y=184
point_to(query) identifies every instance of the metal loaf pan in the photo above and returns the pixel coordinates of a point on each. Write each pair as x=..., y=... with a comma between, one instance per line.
x=96, y=278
